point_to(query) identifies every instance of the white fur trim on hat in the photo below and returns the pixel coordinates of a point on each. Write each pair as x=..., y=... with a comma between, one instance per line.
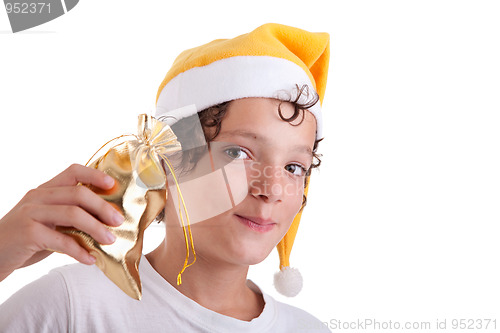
x=234, y=78
x=170, y=117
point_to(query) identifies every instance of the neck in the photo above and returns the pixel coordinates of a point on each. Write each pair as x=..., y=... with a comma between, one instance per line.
x=219, y=287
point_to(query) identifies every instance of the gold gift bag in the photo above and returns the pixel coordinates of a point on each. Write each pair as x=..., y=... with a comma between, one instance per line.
x=139, y=194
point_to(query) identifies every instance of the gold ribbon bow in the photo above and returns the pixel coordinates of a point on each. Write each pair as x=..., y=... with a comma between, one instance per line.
x=140, y=195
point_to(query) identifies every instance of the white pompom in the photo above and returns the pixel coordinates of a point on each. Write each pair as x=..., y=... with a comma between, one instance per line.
x=288, y=281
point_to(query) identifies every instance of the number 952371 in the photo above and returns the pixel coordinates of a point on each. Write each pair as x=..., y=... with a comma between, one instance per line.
x=27, y=7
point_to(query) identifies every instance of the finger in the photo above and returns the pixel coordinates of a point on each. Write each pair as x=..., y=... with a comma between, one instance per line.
x=77, y=173
x=55, y=241
x=80, y=196
x=72, y=216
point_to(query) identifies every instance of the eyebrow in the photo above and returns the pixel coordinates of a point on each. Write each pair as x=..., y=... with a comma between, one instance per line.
x=254, y=136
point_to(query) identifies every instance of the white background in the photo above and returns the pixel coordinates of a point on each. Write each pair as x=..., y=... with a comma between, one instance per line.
x=402, y=220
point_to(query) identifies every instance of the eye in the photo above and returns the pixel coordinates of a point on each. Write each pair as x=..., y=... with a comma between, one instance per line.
x=296, y=169
x=236, y=153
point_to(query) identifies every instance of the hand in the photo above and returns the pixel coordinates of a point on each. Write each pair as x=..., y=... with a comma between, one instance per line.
x=27, y=232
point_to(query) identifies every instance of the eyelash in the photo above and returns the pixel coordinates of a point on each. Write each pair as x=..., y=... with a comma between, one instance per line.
x=234, y=148
x=300, y=166
x=304, y=170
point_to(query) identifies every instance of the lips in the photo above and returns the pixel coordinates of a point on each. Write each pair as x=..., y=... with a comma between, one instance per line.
x=256, y=223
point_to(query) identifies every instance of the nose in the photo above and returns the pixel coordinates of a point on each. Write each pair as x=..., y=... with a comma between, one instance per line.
x=266, y=182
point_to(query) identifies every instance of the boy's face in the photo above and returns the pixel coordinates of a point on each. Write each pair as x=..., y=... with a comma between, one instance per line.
x=276, y=155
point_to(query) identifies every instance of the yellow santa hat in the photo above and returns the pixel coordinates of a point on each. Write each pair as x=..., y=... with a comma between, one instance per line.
x=270, y=61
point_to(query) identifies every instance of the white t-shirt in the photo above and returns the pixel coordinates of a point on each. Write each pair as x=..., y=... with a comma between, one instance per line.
x=80, y=298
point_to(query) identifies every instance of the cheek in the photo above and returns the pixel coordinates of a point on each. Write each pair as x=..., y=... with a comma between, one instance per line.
x=294, y=193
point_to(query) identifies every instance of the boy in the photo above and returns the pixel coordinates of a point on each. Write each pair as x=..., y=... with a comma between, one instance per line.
x=257, y=96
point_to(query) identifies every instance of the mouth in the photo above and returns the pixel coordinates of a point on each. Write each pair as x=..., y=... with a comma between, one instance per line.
x=256, y=224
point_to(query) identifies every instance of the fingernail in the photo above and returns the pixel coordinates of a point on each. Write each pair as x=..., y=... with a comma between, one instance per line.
x=109, y=181
x=91, y=259
x=110, y=237
x=117, y=218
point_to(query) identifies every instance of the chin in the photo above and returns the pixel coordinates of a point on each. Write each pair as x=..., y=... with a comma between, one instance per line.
x=253, y=261
x=247, y=254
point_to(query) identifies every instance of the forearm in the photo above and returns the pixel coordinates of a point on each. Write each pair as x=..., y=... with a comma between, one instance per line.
x=3, y=275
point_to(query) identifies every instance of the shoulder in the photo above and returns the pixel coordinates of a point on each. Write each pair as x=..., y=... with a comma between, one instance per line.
x=298, y=320
x=44, y=304
x=79, y=278
x=63, y=300
x=288, y=318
